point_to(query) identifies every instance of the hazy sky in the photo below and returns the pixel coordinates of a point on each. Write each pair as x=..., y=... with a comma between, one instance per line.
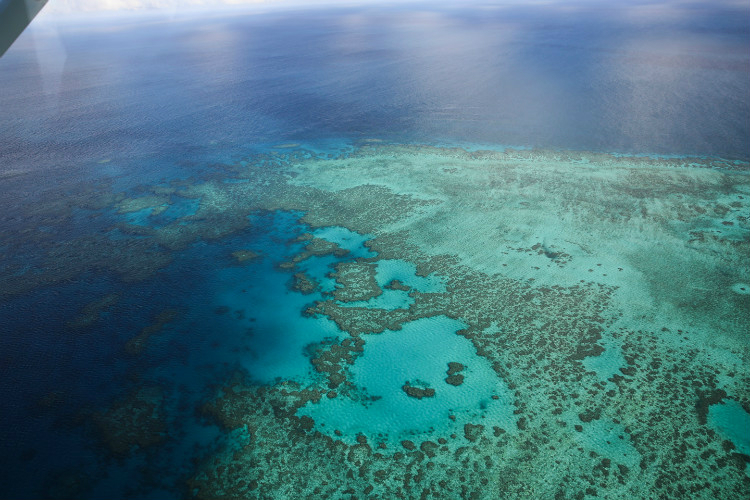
x=70, y=6
x=651, y=7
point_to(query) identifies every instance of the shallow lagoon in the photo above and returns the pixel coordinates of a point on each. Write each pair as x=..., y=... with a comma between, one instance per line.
x=251, y=301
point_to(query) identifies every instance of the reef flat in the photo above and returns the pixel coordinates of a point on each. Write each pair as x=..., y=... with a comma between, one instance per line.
x=552, y=261
x=409, y=321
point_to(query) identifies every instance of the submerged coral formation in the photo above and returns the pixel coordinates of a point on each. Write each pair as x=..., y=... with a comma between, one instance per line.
x=562, y=258
x=516, y=324
x=244, y=255
x=134, y=422
x=415, y=391
x=93, y=311
x=137, y=344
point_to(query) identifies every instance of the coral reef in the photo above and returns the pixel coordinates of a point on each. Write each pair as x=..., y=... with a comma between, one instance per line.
x=537, y=308
x=138, y=343
x=454, y=375
x=92, y=312
x=606, y=293
x=244, y=255
x=414, y=391
x=136, y=421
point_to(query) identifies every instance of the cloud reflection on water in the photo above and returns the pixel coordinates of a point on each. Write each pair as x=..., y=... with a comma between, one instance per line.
x=662, y=77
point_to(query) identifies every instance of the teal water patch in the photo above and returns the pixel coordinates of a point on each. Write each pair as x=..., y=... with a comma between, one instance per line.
x=318, y=268
x=270, y=315
x=417, y=356
x=388, y=300
x=406, y=273
x=347, y=239
x=247, y=311
x=255, y=302
x=389, y=270
x=157, y=216
x=732, y=422
x=608, y=363
x=180, y=207
x=141, y=217
x=609, y=440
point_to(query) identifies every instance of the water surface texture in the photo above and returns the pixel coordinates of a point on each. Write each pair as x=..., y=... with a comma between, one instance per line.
x=494, y=251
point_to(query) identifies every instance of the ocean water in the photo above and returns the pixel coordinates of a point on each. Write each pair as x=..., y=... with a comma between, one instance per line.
x=492, y=250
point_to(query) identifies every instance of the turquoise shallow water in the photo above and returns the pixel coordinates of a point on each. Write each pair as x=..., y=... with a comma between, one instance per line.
x=733, y=422
x=609, y=439
x=386, y=271
x=417, y=354
x=608, y=363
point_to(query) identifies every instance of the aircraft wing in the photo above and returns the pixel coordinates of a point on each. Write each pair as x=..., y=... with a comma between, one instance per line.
x=15, y=15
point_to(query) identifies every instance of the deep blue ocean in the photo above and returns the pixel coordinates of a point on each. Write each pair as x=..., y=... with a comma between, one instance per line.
x=140, y=99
